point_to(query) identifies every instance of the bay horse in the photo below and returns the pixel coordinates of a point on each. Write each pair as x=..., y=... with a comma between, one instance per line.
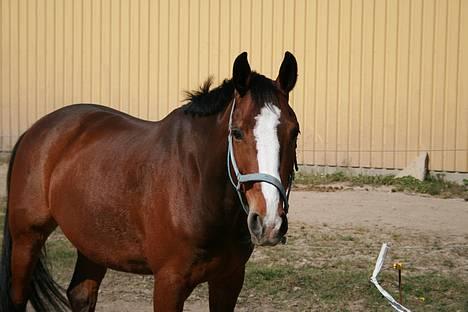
x=165, y=198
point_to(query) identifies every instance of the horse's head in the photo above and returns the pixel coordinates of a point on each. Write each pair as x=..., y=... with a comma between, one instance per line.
x=263, y=133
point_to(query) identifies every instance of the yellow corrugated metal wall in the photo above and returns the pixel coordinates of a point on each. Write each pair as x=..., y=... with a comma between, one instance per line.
x=379, y=80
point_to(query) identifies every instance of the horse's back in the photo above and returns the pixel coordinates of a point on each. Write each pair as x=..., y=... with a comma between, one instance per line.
x=84, y=117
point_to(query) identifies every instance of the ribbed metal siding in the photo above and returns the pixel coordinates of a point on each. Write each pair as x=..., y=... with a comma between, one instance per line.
x=379, y=80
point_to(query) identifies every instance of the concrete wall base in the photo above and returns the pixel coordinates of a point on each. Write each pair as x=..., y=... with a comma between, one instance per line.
x=456, y=177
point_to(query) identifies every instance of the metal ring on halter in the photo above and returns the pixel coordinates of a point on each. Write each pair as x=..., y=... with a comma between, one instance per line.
x=252, y=177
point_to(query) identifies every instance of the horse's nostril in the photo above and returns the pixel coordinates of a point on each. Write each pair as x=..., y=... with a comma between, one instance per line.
x=255, y=224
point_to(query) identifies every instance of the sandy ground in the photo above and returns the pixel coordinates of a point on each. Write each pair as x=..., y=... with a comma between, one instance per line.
x=374, y=209
x=381, y=208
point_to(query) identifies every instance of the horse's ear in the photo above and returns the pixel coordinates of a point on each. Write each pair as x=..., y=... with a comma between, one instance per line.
x=241, y=74
x=287, y=76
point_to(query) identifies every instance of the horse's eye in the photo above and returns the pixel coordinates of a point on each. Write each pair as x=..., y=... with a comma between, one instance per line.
x=237, y=133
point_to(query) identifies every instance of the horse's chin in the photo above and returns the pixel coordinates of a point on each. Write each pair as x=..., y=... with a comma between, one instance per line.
x=266, y=242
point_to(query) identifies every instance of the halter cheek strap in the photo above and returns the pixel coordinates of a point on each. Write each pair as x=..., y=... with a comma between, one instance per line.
x=251, y=177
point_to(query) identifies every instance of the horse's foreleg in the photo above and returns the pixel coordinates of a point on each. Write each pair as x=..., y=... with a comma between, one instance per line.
x=224, y=291
x=83, y=290
x=171, y=289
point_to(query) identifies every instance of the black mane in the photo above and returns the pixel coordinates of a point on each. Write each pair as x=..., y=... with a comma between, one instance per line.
x=204, y=102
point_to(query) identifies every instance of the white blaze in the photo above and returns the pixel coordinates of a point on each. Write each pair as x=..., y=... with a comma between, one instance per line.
x=268, y=149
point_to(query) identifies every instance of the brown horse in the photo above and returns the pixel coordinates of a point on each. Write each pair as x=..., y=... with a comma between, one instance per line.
x=162, y=198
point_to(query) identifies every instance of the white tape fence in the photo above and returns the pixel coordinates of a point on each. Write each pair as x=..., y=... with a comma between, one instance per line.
x=378, y=266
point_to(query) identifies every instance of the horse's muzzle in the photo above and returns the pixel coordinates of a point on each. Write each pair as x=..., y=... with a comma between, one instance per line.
x=266, y=234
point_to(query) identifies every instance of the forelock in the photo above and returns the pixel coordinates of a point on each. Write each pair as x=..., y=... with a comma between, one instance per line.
x=263, y=90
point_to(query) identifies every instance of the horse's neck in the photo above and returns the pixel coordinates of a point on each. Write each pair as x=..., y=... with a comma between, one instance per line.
x=213, y=153
x=220, y=203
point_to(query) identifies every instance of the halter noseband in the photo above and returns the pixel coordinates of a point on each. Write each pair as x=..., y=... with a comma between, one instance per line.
x=252, y=177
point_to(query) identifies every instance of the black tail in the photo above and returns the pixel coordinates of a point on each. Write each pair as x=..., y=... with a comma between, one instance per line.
x=5, y=262
x=5, y=272
x=46, y=295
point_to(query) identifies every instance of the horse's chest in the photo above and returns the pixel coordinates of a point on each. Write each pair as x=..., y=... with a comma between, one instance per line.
x=220, y=264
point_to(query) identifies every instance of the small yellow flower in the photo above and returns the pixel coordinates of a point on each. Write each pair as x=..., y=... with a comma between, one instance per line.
x=398, y=266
